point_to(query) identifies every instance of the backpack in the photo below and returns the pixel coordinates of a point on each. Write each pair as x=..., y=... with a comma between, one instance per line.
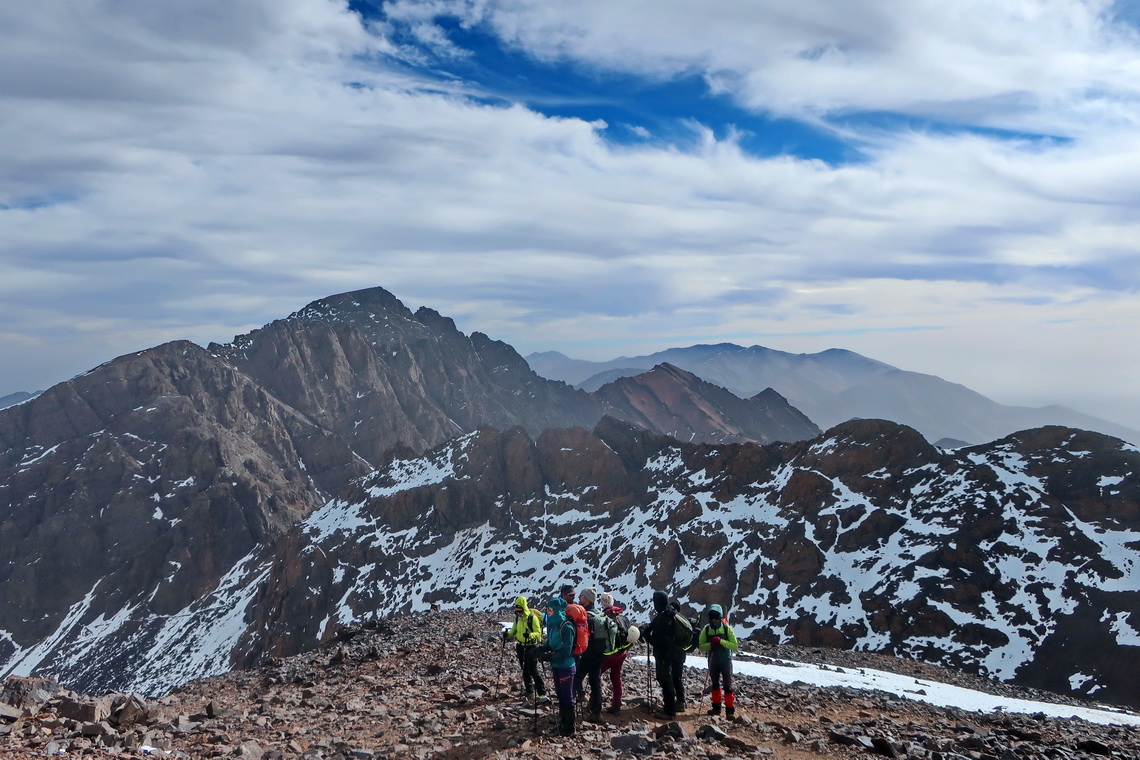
x=682, y=632
x=581, y=638
x=577, y=615
x=621, y=640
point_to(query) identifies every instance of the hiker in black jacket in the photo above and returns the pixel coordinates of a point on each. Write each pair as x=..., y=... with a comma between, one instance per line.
x=661, y=638
x=680, y=654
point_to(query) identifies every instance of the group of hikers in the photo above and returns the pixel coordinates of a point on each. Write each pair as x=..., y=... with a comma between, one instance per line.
x=588, y=635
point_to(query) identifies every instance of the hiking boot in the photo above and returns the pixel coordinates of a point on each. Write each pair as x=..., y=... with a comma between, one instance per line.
x=543, y=700
x=730, y=713
x=715, y=709
x=615, y=710
x=594, y=717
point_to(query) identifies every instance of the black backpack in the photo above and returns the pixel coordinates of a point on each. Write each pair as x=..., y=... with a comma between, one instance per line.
x=621, y=639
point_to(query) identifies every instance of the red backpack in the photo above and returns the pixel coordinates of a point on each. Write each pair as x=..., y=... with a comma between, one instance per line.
x=577, y=615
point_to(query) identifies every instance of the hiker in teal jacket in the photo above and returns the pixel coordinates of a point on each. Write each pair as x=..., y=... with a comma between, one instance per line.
x=719, y=641
x=560, y=633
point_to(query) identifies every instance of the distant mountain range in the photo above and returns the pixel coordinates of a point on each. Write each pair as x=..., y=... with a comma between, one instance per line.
x=184, y=510
x=16, y=398
x=836, y=385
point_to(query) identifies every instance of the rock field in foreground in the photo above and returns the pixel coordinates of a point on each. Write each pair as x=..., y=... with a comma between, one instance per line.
x=441, y=686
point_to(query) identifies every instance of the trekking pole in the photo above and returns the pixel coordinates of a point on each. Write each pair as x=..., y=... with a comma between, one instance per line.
x=648, y=690
x=499, y=677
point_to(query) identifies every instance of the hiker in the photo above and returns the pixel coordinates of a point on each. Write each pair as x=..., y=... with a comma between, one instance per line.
x=590, y=662
x=560, y=634
x=619, y=639
x=719, y=641
x=680, y=654
x=661, y=637
x=527, y=634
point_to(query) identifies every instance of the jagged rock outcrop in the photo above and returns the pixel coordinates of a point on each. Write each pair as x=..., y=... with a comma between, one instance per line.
x=669, y=400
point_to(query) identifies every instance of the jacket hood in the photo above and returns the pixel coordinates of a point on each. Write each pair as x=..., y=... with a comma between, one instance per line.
x=558, y=604
x=660, y=600
x=717, y=609
x=576, y=612
x=521, y=602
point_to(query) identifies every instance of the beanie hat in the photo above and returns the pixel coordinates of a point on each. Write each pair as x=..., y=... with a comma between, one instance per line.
x=588, y=595
x=606, y=599
x=660, y=599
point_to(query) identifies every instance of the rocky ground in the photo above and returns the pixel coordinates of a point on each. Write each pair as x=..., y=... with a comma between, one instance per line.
x=441, y=685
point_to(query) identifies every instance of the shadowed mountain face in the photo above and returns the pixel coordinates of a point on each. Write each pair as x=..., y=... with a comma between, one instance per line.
x=140, y=486
x=833, y=386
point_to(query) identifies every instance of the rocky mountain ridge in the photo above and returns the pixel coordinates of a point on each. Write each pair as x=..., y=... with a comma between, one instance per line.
x=836, y=385
x=393, y=688
x=130, y=494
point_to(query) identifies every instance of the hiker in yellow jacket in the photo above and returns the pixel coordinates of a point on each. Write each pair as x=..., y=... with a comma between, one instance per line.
x=527, y=633
x=719, y=641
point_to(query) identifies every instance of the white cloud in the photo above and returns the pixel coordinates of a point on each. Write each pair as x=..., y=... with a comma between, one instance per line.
x=978, y=61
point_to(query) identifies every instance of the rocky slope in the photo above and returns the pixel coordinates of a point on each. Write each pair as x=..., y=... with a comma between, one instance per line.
x=396, y=688
x=836, y=385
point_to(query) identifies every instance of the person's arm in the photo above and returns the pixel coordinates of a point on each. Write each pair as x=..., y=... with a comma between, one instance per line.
x=703, y=642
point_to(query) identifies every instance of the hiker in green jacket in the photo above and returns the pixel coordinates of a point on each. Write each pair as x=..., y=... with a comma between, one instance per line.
x=527, y=634
x=719, y=641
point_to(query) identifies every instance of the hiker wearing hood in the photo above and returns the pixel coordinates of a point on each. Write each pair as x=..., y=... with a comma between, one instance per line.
x=719, y=641
x=560, y=632
x=661, y=636
x=527, y=633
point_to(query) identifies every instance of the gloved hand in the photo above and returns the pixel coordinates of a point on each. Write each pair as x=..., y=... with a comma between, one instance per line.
x=715, y=641
x=506, y=635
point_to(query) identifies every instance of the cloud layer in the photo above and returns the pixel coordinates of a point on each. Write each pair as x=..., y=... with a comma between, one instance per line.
x=195, y=169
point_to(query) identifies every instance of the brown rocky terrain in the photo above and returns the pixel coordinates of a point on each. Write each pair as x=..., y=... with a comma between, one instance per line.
x=669, y=400
x=441, y=685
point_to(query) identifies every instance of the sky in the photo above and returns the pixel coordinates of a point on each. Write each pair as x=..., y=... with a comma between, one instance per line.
x=946, y=187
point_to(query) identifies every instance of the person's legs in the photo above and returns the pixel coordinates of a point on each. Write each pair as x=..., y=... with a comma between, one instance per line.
x=530, y=671
x=520, y=655
x=564, y=688
x=679, y=679
x=716, y=671
x=729, y=692
x=595, y=677
x=665, y=681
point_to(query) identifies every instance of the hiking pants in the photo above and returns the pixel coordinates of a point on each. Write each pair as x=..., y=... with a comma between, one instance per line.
x=612, y=663
x=590, y=667
x=564, y=685
x=680, y=656
x=666, y=678
x=528, y=661
x=720, y=670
